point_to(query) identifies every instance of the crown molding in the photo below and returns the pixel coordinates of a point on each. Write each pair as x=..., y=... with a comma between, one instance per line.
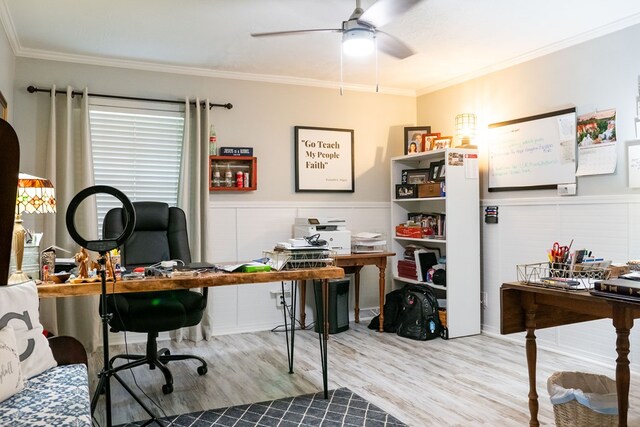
x=200, y=72
x=9, y=28
x=537, y=53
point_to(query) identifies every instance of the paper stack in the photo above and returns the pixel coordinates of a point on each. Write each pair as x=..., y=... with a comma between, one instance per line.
x=367, y=242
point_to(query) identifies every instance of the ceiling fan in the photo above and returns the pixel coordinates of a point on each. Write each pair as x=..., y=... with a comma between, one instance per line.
x=360, y=32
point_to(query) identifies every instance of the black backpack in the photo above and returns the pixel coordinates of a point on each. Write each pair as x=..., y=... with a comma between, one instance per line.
x=392, y=312
x=420, y=319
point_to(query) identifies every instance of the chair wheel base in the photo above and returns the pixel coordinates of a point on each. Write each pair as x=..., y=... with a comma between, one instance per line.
x=167, y=388
x=202, y=370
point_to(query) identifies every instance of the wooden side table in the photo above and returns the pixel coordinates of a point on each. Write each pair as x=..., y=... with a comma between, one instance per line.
x=352, y=264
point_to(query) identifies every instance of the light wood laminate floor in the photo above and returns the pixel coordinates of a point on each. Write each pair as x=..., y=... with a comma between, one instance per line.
x=471, y=381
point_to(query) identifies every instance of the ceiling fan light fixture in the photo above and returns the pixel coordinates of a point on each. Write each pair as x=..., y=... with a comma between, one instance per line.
x=358, y=42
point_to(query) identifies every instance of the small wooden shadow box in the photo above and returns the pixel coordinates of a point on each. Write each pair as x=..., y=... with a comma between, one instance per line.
x=430, y=189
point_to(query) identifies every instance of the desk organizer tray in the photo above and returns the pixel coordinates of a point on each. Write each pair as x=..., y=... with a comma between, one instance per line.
x=300, y=259
x=561, y=275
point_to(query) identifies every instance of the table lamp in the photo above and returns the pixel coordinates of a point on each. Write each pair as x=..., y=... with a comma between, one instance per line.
x=35, y=195
x=466, y=129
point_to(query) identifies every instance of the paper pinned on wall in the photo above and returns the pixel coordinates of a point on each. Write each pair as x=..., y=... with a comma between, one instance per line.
x=596, y=134
x=597, y=159
x=633, y=163
x=471, y=166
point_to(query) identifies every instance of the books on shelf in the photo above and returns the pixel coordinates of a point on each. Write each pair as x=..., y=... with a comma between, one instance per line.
x=433, y=223
x=407, y=269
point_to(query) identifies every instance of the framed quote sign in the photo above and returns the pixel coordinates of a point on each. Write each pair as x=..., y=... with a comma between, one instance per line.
x=324, y=159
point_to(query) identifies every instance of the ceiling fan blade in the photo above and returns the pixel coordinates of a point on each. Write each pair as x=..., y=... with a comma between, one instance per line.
x=384, y=11
x=286, y=33
x=392, y=46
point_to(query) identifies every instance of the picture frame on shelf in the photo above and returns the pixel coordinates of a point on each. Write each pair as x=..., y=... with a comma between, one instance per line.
x=413, y=139
x=406, y=191
x=434, y=170
x=428, y=139
x=442, y=171
x=418, y=176
x=437, y=171
x=443, y=142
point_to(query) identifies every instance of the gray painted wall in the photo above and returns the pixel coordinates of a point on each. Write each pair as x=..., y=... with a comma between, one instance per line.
x=595, y=75
x=263, y=117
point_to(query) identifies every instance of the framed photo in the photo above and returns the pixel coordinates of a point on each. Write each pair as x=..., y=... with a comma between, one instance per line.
x=324, y=159
x=428, y=139
x=434, y=170
x=442, y=142
x=4, y=107
x=417, y=176
x=413, y=141
x=437, y=171
x=406, y=191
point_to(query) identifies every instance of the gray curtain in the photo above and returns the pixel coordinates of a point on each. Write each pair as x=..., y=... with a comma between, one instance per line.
x=193, y=198
x=69, y=166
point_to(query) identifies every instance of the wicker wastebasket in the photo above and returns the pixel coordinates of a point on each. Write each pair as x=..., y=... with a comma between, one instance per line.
x=583, y=400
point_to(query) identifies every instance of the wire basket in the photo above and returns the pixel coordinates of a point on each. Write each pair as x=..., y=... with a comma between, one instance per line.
x=300, y=259
x=565, y=276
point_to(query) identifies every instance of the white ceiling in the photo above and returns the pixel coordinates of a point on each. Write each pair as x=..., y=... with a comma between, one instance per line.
x=454, y=40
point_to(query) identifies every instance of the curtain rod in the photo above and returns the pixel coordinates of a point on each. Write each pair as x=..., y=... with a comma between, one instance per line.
x=33, y=89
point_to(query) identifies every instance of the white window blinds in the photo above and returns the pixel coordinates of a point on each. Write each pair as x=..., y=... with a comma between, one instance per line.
x=136, y=149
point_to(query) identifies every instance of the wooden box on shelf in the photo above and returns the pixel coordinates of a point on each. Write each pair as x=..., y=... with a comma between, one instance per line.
x=233, y=173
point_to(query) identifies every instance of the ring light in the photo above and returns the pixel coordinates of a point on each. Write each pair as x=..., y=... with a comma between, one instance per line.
x=107, y=244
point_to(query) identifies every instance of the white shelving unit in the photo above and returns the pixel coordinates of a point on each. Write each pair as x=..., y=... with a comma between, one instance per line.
x=461, y=245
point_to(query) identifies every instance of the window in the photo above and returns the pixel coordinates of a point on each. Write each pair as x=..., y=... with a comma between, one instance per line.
x=136, y=149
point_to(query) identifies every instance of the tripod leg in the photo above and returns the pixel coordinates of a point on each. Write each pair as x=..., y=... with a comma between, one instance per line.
x=136, y=398
x=99, y=390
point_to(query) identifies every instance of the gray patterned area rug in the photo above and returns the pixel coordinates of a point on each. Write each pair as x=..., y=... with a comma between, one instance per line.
x=342, y=408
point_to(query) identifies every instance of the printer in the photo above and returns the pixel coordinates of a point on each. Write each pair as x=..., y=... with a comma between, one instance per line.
x=333, y=230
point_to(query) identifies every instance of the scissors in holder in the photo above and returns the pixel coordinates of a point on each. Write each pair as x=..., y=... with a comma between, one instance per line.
x=559, y=253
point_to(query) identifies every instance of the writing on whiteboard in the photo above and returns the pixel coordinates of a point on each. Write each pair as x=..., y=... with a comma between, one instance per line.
x=532, y=152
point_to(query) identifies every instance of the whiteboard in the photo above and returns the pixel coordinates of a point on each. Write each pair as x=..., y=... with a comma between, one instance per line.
x=533, y=152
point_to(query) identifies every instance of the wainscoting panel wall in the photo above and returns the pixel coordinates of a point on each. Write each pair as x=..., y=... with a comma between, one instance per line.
x=242, y=231
x=527, y=228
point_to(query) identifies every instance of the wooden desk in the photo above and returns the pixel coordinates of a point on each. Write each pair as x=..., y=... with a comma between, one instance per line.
x=353, y=263
x=204, y=280
x=527, y=308
x=210, y=280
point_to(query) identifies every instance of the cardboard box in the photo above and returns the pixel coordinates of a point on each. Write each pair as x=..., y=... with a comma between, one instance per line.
x=431, y=189
x=616, y=270
x=414, y=232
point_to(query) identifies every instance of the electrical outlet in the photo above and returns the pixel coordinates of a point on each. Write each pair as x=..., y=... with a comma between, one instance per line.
x=483, y=300
x=280, y=298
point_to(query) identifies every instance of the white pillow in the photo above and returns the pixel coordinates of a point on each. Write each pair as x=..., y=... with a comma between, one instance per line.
x=19, y=309
x=11, y=379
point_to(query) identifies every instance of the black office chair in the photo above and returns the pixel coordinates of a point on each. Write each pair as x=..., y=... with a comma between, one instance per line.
x=160, y=234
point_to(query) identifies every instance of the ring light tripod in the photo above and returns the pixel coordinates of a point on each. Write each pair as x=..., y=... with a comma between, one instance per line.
x=103, y=247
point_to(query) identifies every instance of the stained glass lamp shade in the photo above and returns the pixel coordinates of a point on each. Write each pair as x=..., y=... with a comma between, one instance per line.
x=35, y=195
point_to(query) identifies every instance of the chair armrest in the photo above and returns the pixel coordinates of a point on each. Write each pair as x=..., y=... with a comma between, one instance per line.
x=68, y=350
